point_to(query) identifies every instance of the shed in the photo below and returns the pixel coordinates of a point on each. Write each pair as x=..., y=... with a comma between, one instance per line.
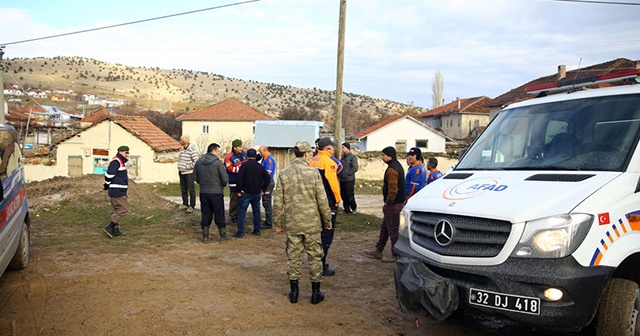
x=281, y=136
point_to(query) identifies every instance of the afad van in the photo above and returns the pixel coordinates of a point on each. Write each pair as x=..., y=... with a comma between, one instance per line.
x=540, y=219
x=14, y=210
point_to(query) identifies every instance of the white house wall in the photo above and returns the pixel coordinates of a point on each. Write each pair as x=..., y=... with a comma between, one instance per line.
x=404, y=130
x=107, y=136
x=220, y=132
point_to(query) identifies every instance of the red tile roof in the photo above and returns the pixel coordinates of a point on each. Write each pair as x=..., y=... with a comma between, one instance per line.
x=96, y=117
x=141, y=128
x=378, y=126
x=146, y=131
x=518, y=94
x=466, y=105
x=230, y=109
x=32, y=108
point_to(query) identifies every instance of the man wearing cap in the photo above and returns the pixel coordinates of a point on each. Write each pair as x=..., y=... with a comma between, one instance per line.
x=347, y=178
x=269, y=163
x=416, y=176
x=232, y=162
x=394, y=197
x=329, y=173
x=252, y=181
x=300, y=207
x=116, y=182
x=186, y=162
x=434, y=173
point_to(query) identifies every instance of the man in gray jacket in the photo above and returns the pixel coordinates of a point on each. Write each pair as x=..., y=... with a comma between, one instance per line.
x=347, y=178
x=211, y=175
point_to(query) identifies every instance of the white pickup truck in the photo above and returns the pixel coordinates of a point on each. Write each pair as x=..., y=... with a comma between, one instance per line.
x=540, y=219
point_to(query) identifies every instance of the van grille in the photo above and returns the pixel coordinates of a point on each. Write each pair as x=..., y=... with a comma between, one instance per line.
x=473, y=237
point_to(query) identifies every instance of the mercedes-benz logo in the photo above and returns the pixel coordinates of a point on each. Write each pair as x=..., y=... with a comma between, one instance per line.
x=443, y=233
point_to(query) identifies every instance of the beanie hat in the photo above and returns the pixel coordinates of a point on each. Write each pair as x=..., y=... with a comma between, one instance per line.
x=390, y=151
x=324, y=142
x=347, y=145
x=123, y=148
x=236, y=143
x=251, y=153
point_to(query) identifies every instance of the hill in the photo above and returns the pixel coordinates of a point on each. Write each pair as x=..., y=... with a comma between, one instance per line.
x=186, y=90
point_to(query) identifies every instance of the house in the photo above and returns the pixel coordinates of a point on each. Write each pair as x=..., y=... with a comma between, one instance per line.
x=153, y=158
x=460, y=117
x=281, y=136
x=561, y=77
x=222, y=123
x=402, y=132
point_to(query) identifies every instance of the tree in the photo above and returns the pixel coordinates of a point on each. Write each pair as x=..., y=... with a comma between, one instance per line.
x=437, y=89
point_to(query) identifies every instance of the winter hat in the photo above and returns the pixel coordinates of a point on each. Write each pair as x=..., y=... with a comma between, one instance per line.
x=236, y=143
x=390, y=151
x=251, y=153
x=417, y=152
x=303, y=146
x=123, y=148
x=347, y=145
x=324, y=142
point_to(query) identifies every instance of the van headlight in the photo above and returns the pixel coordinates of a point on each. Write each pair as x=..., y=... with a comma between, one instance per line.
x=553, y=237
x=403, y=228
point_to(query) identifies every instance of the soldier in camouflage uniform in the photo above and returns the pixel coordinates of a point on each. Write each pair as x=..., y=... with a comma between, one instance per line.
x=301, y=208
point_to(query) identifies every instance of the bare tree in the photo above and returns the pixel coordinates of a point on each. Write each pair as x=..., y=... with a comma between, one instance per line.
x=437, y=89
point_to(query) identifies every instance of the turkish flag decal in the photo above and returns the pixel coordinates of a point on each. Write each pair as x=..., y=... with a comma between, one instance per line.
x=603, y=218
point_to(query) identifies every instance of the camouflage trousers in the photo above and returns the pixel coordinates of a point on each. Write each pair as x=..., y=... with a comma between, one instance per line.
x=296, y=246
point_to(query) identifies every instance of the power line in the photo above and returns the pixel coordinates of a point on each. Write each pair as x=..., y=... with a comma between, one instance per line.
x=130, y=23
x=601, y=2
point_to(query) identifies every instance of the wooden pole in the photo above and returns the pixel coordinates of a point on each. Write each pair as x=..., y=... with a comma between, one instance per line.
x=338, y=116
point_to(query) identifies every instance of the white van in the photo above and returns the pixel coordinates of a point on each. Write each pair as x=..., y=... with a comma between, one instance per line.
x=14, y=211
x=540, y=219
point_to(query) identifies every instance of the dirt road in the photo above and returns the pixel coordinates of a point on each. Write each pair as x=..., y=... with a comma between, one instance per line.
x=234, y=288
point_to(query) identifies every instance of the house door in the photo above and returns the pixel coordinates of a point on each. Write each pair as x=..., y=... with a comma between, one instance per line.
x=133, y=167
x=75, y=165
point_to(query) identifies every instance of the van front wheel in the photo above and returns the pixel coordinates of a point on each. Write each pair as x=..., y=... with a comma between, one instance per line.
x=619, y=308
x=21, y=258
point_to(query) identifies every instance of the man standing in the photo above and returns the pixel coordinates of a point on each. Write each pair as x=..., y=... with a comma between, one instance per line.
x=329, y=172
x=434, y=174
x=232, y=162
x=269, y=164
x=116, y=181
x=210, y=174
x=416, y=176
x=393, y=195
x=252, y=181
x=347, y=178
x=301, y=209
x=186, y=162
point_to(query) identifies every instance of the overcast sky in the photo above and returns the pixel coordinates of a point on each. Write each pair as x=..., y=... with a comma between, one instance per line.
x=393, y=47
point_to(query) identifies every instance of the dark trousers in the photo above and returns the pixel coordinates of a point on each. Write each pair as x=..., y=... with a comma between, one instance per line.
x=188, y=190
x=389, y=226
x=326, y=236
x=212, y=207
x=233, y=205
x=348, y=196
x=268, y=208
x=243, y=205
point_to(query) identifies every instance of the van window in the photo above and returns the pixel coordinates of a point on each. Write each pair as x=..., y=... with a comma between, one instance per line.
x=598, y=134
x=10, y=154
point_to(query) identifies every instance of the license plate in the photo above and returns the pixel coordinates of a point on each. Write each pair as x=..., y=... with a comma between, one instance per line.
x=514, y=303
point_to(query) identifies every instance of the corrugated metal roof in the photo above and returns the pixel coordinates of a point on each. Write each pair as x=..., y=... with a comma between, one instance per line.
x=285, y=133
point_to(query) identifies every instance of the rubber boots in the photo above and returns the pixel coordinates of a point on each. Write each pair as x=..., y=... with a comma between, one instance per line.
x=316, y=294
x=293, y=294
x=108, y=230
x=223, y=234
x=205, y=234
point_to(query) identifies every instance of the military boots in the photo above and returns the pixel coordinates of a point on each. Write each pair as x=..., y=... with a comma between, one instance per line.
x=293, y=294
x=316, y=294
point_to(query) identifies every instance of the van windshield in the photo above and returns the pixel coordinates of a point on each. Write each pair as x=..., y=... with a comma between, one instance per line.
x=596, y=134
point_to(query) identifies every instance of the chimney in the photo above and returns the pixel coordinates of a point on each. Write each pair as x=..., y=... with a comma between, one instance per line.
x=458, y=103
x=562, y=71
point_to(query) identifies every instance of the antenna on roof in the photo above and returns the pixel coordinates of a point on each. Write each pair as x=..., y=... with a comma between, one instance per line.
x=576, y=76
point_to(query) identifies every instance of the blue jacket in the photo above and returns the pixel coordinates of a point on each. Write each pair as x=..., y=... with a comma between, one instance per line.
x=116, y=179
x=416, y=179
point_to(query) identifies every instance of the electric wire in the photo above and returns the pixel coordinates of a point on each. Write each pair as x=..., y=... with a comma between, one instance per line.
x=130, y=23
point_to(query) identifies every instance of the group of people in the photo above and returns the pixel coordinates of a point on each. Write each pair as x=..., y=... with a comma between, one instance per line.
x=304, y=205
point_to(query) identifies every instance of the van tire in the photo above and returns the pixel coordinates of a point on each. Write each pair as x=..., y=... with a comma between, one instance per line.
x=21, y=259
x=619, y=308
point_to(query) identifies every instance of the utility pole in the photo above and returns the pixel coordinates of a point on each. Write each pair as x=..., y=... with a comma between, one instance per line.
x=1, y=83
x=338, y=117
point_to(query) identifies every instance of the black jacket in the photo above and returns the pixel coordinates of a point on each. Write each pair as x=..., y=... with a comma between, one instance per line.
x=252, y=178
